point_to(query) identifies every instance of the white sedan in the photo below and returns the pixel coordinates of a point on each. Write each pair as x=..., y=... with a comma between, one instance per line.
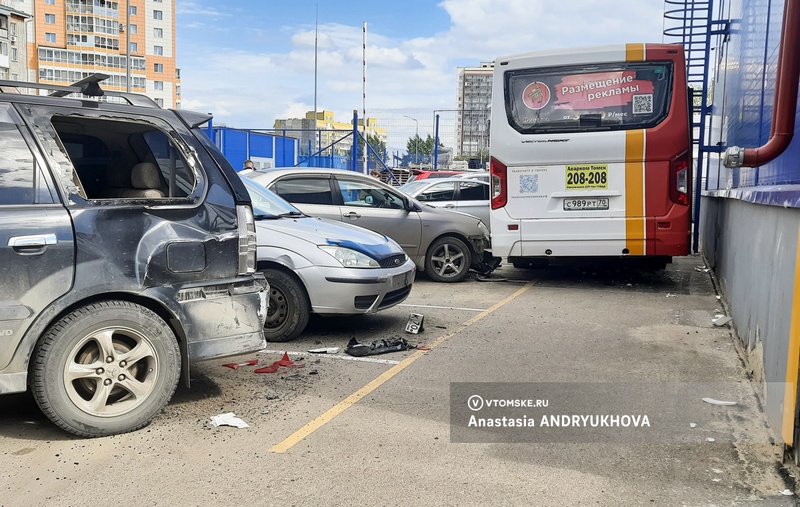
x=466, y=195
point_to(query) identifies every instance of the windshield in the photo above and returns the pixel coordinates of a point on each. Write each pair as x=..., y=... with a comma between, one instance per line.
x=412, y=186
x=267, y=204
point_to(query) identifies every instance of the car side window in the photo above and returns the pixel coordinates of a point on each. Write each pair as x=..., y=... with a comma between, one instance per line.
x=474, y=191
x=439, y=192
x=21, y=181
x=365, y=194
x=304, y=190
x=107, y=157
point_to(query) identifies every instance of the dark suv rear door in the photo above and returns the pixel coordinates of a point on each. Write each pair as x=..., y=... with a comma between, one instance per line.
x=37, y=248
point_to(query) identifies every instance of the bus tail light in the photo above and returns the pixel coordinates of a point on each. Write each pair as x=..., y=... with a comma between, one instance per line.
x=499, y=183
x=679, y=179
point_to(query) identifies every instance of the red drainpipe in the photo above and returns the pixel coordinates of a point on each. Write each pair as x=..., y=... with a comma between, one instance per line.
x=785, y=102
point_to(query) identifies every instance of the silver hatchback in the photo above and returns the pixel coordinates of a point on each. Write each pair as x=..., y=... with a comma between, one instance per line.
x=315, y=265
x=444, y=244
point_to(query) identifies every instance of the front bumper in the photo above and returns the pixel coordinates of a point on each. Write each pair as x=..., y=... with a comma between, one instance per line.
x=350, y=291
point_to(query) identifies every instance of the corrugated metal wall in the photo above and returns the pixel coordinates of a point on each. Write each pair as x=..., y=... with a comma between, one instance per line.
x=749, y=217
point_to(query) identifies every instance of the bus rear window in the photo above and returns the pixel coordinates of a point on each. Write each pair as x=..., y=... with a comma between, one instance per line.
x=588, y=98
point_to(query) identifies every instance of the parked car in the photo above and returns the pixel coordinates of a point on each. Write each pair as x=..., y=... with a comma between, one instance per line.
x=445, y=244
x=458, y=194
x=476, y=175
x=316, y=265
x=424, y=175
x=127, y=251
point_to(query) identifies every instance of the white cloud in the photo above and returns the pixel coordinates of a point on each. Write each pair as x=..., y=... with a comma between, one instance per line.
x=249, y=89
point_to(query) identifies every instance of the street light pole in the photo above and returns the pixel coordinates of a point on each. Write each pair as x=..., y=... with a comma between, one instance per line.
x=416, y=140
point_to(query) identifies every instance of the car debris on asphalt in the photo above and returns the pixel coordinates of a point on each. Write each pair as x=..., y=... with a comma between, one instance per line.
x=228, y=419
x=354, y=348
x=274, y=367
x=415, y=323
x=235, y=366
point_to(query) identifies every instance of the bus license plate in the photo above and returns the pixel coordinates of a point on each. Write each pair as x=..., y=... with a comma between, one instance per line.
x=586, y=204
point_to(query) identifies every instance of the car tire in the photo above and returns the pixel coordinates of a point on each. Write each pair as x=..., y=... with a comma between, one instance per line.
x=448, y=260
x=289, y=309
x=105, y=368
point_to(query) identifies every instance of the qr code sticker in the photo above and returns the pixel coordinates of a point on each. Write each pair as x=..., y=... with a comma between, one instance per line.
x=529, y=184
x=643, y=104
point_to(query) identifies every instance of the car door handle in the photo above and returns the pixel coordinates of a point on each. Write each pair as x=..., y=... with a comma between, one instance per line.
x=32, y=242
x=352, y=214
x=449, y=205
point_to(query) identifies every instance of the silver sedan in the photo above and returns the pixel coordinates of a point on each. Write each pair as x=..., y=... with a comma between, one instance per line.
x=444, y=244
x=315, y=265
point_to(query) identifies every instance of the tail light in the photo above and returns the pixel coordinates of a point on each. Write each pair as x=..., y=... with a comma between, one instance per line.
x=499, y=183
x=247, y=239
x=680, y=178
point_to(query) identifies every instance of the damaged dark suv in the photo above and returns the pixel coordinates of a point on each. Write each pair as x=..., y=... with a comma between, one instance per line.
x=127, y=250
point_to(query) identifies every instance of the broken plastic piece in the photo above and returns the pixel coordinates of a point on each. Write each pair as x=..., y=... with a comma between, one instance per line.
x=377, y=347
x=228, y=419
x=719, y=402
x=693, y=425
x=787, y=492
x=710, y=439
x=415, y=323
x=671, y=295
x=271, y=368
x=234, y=366
x=325, y=350
x=284, y=361
x=721, y=321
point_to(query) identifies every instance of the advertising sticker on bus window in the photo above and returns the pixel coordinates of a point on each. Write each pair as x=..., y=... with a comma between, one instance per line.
x=599, y=90
x=613, y=96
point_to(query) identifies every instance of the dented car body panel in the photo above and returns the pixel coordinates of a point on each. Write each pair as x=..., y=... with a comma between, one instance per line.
x=118, y=202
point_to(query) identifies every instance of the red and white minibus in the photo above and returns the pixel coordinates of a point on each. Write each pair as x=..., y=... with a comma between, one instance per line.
x=591, y=154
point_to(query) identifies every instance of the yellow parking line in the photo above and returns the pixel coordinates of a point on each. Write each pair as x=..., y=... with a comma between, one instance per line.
x=351, y=400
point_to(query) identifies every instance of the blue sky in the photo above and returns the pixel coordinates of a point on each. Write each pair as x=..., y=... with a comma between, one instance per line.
x=252, y=61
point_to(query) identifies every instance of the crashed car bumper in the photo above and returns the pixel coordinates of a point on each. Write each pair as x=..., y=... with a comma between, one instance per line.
x=351, y=291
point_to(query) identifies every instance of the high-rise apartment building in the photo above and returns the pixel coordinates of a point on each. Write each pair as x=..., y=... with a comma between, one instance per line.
x=133, y=41
x=474, y=96
x=13, y=53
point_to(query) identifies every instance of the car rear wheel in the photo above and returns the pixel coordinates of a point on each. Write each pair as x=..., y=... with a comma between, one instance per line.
x=448, y=260
x=106, y=368
x=289, y=308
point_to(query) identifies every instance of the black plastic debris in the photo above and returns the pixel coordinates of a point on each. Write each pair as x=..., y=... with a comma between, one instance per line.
x=354, y=348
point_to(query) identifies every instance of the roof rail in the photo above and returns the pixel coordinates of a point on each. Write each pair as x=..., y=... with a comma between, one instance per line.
x=89, y=84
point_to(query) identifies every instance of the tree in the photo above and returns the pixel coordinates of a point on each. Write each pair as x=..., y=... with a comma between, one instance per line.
x=375, y=142
x=416, y=145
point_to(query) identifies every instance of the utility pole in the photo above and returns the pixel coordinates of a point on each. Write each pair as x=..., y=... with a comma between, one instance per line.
x=416, y=139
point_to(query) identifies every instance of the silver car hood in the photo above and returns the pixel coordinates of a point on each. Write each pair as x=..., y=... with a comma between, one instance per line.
x=321, y=231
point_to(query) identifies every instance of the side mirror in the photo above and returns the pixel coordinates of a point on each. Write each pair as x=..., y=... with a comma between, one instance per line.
x=422, y=198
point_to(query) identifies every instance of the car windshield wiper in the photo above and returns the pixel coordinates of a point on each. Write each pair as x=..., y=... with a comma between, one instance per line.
x=291, y=214
x=265, y=216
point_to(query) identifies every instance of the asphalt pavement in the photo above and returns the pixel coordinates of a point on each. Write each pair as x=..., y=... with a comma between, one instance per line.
x=396, y=429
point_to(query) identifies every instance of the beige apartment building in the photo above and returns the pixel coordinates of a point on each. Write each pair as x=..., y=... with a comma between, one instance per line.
x=328, y=129
x=68, y=40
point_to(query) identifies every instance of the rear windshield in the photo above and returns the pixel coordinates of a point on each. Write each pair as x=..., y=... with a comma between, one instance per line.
x=613, y=96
